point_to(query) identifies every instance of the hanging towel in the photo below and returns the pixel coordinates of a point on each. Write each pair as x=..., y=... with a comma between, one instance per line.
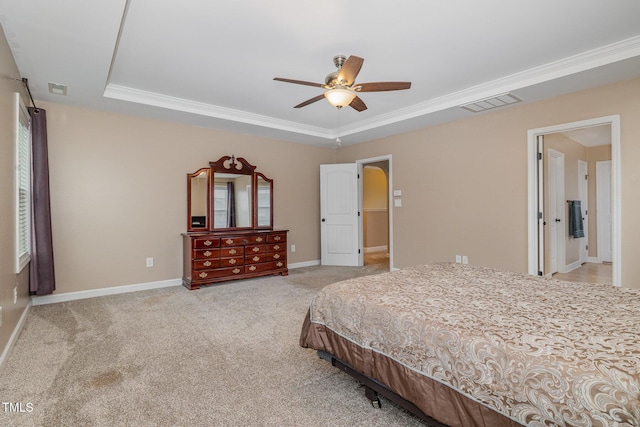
x=576, y=227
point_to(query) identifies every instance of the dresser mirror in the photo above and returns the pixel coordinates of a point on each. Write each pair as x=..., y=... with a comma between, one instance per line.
x=198, y=196
x=229, y=195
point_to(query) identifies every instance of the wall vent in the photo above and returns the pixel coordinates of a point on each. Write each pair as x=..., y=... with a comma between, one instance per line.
x=492, y=102
x=58, y=89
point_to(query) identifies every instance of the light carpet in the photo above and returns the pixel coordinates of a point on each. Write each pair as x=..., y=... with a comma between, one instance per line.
x=224, y=355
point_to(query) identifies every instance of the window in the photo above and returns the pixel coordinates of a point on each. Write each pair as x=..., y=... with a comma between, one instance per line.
x=23, y=185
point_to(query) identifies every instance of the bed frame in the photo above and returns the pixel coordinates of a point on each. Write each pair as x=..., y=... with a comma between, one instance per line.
x=373, y=388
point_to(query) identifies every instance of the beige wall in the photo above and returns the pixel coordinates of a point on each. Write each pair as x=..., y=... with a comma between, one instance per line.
x=464, y=183
x=119, y=186
x=8, y=278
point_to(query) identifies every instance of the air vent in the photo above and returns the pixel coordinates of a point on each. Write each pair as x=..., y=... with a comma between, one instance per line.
x=58, y=89
x=492, y=102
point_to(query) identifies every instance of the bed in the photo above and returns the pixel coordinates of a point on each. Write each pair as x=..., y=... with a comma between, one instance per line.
x=474, y=346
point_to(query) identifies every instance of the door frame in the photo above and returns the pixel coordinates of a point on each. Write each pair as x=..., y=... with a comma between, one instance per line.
x=556, y=196
x=361, y=164
x=533, y=188
x=583, y=191
x=599, y=200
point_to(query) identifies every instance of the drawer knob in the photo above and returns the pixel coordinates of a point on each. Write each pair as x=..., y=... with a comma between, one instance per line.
x=207, y=253
x=256, y=258
x=258, y=239
x=276, y=247
x=207, y=263
x=229, y=242
x=232, y=251
x=252, y=268
x=256, y=249
x=232, y=261
x=276, y=256
x=276, y=238
x=279, y=264
x=203, y=275
x=235, y=271
x=208, y=243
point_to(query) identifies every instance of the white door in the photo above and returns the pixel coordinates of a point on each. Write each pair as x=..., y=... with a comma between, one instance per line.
x=603, y=205
x=339, y=214
x=541, y=208
x=583, y=189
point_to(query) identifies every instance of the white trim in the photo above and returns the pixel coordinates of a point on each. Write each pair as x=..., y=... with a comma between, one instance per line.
x=376, y=249
x=572, y=266
x=14, y=335
x=303, y=264
x=71, y=296
x=584, y=61
x=616, y=172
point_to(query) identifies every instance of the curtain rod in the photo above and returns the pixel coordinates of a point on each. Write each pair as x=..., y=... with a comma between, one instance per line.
x=26, y=84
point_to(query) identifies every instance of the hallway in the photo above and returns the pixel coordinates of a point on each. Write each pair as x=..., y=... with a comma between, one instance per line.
x=589, y=272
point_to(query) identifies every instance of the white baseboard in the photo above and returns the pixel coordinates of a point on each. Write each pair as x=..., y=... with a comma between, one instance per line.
x=594, y=259
x=303, y=264
x=571, y=267
x=14, y=335
x=70, y=296
x=376, y=249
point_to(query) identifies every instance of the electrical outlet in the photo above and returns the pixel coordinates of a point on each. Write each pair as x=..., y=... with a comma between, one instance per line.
x=149, y=262
x=458, y=259
x=0, y=315
x=293, y=248
x=15, y=294
x=465, y=260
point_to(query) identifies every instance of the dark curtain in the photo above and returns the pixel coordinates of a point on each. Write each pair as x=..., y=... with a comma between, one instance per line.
x=231, y=205
x=41, y=273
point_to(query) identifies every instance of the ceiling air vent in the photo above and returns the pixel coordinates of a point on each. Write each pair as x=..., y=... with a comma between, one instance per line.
x=492, y=102
x=58, y=89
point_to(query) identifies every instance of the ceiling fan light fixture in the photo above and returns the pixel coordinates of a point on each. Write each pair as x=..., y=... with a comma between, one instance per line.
x=339, y=97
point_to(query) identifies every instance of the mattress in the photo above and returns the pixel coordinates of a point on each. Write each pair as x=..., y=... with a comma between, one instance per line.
x=475, y=346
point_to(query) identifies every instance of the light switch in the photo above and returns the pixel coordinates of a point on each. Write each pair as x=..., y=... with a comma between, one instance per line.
x=397, y=203
x=397, y=193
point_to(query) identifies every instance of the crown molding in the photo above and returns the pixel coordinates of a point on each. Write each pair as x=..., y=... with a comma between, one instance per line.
x=125, y=93
x=605, y=55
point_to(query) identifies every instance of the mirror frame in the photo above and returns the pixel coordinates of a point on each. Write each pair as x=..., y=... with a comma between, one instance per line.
x=207, y=219
x=236, y=165
x=255, y=202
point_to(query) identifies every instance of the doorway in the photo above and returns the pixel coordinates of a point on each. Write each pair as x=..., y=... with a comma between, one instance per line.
x=375, y=214
x=538, y=211
x=344, y=237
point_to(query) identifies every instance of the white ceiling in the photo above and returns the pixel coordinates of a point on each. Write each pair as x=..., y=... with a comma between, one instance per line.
x=212, y=63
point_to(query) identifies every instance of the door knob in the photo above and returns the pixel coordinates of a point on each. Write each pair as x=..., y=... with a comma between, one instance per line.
x=557, y=219
x=323, y=220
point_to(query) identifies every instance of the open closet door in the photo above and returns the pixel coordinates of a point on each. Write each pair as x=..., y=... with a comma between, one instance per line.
x=339, y=214
x=541, y=223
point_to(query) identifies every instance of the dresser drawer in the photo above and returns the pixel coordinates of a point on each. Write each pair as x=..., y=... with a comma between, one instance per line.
x=277, y=238
x=270, y=256
x=207, y=275
x=233, y=241
x=256, y=240
x=265, y=266
x=255, y=249
x=277, y=247
x=206, y=242
x=232, y=262
x=232, y=252
x=205, y=264
x=207, y=253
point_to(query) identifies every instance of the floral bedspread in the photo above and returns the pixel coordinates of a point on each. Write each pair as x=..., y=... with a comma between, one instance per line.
x=540, y=351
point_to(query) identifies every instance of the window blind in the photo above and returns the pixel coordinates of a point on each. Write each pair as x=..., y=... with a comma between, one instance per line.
x=23, y=186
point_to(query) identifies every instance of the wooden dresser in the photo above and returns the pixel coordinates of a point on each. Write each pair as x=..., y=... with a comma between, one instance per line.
x=211, y=256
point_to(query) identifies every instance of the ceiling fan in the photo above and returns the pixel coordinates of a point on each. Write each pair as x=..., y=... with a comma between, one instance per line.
x=341, y=86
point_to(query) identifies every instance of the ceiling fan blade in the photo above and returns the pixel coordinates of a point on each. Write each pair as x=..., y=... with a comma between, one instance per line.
x=310, y=101
x=357, y=104
x=298, y=82
x=350, y=69
x=381, y=86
